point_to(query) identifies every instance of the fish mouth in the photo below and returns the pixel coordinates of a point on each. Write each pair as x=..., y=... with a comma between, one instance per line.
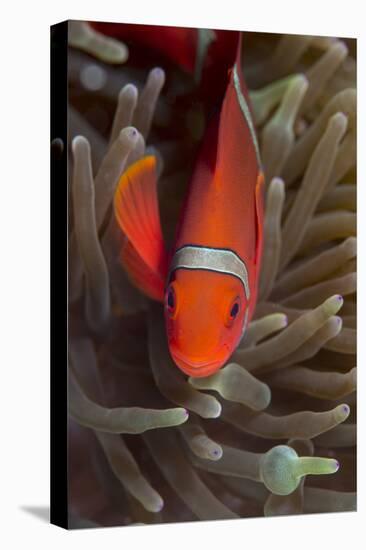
x=197, y=368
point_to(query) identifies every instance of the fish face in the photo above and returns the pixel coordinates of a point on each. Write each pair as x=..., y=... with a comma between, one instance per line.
x=205, y=314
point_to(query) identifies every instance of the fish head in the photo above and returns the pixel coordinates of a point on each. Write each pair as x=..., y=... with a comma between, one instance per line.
x=205, y=314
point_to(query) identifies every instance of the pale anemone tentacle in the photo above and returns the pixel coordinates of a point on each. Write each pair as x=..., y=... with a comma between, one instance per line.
x=343, y=102
x=326, y=227
x=262, y=328
x=323, y=42
x=264, y=100
x=84, y=362
x=82, y=36
x=346, y=159
x=283, y=60
x=127, y=471
x=126, y=105
x=184, y=479
x=234, y=383
x=272, y=236
x=344, y=342
x=320, y=72
x=340, y=436
x=79, y=125
x=131, y=420
x=97, y=302
x=279, y=505
x=310, y=347
x=290, y=338
x=314, y=269
x=278, y=134
x=269, y=308
x=280, y=469
x=325, y=500
x=315, y=500
x=139, y=150
x=147, y=101
x=300, y=425
x=341, y=196
x=198, y=441
x=234, y=462
x=324, y=385
x=312, y=295
x=314, y=183
x=111, y=170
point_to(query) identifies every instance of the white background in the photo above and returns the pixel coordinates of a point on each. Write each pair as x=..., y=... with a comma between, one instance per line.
x=24, y=219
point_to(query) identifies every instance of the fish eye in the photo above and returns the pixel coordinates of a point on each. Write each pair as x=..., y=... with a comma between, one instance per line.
x=171, y=300
x=233, y=311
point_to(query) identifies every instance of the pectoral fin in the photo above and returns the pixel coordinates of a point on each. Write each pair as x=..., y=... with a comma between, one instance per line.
x=137, y=212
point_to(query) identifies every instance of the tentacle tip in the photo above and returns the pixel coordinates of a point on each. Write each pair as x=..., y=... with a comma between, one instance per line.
x=341, y=120
x=353, y=375
x=334, y=304
x=129, y=90
x=351, y=246
x=302, y=82
x=342, y=412
x=339, y=322
x=158, y=74
x=341, y=48
x=216, y=453
x=332, y=466
x=277, y=182
x=183, y=416
x=158, y=506
x=217, y=410
x=79, y=141
x=267, y=396
x=129, y=134
x=119, y=56
x=111, y=50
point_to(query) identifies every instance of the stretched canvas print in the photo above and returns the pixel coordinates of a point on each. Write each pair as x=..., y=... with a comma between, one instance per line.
x=204, y=365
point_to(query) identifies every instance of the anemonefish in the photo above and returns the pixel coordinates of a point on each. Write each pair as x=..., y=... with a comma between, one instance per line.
x=208, y=281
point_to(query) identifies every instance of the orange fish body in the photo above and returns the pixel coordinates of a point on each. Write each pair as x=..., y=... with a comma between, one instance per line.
x=209, y=281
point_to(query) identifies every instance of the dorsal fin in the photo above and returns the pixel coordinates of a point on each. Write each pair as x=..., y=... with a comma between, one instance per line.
x=237, y=158
x=259, y=199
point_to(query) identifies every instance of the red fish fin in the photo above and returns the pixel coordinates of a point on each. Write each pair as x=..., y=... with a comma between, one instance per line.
x=146, y=280
x=137, y=213
x=239, y=48
x=259, y=199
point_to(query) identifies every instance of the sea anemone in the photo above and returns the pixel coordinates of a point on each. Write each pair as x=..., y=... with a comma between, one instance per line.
x=146, y=444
